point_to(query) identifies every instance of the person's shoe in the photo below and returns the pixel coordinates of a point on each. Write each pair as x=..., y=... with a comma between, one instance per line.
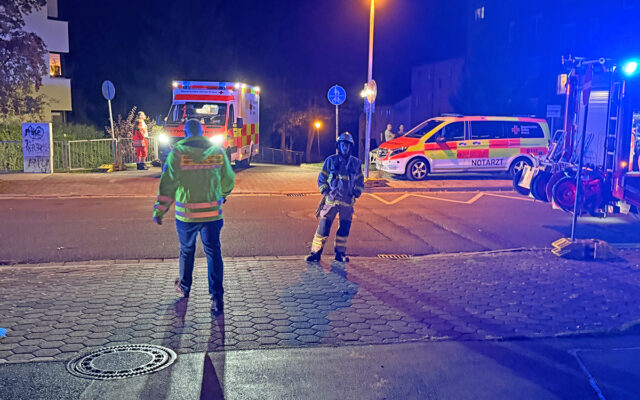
x=179, y=291
x=313, y=257
x=217, y=306
x=340, y=256
x=138, y=166
x=143, y=166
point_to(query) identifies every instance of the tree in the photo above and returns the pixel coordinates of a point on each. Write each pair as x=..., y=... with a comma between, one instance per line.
x=22, y=60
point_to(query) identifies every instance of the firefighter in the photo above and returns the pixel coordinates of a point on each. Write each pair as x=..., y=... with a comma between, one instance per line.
x=197, y=175
x=340, y=182
x=141, y=140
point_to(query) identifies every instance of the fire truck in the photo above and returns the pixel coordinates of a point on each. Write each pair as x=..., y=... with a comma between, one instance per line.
x=598, y=141
x=229, y=113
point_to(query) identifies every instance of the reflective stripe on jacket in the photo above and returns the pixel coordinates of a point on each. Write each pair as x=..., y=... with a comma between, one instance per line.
x=341, y=180
x=197, y=176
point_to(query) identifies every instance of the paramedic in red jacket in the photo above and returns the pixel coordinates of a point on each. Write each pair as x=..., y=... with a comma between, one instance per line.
x=141, y=140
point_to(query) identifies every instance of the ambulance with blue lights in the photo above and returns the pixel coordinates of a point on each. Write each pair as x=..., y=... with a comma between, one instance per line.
x=456, y=143
x=229, y=113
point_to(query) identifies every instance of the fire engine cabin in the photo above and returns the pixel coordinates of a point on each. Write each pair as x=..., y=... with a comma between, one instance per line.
x=229, y=113
x=602, y=106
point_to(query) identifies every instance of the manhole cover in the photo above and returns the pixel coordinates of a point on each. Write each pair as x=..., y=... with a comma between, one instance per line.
x=395, y=256
x=119, y=362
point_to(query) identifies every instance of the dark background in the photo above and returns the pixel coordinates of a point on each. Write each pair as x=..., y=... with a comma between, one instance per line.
x=293, y=49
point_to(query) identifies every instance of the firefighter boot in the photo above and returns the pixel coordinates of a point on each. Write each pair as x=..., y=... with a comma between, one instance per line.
x=314, y=256
x=342, y=257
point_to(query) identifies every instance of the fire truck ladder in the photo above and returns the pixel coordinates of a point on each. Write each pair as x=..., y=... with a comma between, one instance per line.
x=615, y=97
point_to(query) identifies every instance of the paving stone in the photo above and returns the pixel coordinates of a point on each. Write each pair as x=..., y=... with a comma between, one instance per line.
x=50, y=352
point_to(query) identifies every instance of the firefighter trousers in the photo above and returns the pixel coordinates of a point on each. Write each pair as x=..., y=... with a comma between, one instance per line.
x=327, y=215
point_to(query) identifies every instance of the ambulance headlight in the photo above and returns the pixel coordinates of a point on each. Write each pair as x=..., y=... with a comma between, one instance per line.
x=163, y=138
x=395, y=152
x=217, y=139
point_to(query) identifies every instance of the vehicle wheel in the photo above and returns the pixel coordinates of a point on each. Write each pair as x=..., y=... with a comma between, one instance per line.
x=516, y=179
x=538, y=186
x=564, y=193
x=417, y=169
x=518, y=164
x=552, y=182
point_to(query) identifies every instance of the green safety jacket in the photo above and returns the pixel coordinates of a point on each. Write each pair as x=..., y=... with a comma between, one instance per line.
x=197, y=176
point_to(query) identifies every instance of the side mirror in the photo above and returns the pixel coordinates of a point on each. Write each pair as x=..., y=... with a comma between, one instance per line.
x=239, y=124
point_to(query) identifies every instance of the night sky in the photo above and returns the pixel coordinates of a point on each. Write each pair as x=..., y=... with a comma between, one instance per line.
x=295, y=48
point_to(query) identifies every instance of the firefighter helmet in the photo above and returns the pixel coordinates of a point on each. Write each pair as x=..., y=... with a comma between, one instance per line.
x=345, y=137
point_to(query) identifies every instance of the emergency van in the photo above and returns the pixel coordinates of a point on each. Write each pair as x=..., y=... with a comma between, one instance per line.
x=229, y=113
x=465, y=144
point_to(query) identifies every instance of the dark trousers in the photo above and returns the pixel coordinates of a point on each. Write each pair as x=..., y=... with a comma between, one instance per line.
x=210, y=235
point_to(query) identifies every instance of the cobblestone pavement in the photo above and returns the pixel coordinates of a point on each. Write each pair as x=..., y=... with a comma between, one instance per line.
x=52, y=312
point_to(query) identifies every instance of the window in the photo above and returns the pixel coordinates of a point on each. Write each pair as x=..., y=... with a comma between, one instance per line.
x=55, y=65
x=536, y=25
x=453, y=131
x=487, y=130
x=424, y=129
x=479, y=13
x=524, y=130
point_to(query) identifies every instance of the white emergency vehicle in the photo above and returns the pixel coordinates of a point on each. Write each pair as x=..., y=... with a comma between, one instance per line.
x=229, y=113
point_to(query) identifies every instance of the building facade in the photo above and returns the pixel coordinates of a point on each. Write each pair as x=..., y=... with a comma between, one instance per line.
x=56, y=86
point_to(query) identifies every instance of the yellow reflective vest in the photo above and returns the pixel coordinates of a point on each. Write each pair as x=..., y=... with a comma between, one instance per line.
x=197, y=176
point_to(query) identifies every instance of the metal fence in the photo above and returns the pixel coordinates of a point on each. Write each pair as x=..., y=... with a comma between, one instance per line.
x=279, y=156
x=76, y=154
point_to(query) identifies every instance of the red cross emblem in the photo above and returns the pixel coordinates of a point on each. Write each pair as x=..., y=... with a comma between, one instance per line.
x=515, y=130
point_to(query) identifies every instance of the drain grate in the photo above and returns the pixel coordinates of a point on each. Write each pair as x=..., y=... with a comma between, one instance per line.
x=295, y=194
x=119, y=362
x=395, y=256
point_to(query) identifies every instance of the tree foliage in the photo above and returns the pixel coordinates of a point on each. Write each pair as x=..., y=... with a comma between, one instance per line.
x=22, y=60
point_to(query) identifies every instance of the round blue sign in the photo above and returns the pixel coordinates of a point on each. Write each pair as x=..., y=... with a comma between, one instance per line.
x=108, y=90
x=337, y=95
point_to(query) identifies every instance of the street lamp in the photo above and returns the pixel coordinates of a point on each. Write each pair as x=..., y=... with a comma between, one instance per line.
x=369, y=93
x=318, y=124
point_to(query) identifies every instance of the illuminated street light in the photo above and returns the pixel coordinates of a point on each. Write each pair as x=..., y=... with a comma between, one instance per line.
x=367, y=94
x=318, y=124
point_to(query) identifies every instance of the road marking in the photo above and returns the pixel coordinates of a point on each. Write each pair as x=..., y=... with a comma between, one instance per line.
x=472, y=200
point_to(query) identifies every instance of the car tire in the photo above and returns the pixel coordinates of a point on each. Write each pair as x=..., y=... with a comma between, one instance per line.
x=518, y=164
x=552, y=182
x=564, y=194
x=538, y=186
x=417, y=170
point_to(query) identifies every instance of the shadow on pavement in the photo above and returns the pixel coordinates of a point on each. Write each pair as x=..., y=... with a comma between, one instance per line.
x=309, y=301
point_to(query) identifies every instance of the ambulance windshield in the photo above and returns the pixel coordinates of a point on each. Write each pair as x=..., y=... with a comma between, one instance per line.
x=207, y=113
x=420, y=131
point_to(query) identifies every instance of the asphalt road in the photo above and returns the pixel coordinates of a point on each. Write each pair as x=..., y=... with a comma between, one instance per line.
x=54, y=230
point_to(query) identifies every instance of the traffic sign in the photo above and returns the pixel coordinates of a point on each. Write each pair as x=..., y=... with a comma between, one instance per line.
x=337, y=95
x=372, y=91
x=108, y=90
x=553, y=110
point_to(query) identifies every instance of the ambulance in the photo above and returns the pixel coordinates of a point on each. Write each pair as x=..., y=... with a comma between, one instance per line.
x=229, y=113
x=456, y=143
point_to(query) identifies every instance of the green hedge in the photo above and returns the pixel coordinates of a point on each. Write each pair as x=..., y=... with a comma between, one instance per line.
x=11, y=153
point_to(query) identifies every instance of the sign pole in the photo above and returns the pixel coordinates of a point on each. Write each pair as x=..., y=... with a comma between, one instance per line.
x=336, y=123
x=109, y=92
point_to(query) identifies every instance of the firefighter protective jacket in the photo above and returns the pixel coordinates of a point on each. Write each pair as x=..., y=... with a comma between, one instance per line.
x=197, y=176
x=341, y=180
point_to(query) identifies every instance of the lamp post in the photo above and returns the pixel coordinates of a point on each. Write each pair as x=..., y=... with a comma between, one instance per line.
x=370, y=98
x=318, y=124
